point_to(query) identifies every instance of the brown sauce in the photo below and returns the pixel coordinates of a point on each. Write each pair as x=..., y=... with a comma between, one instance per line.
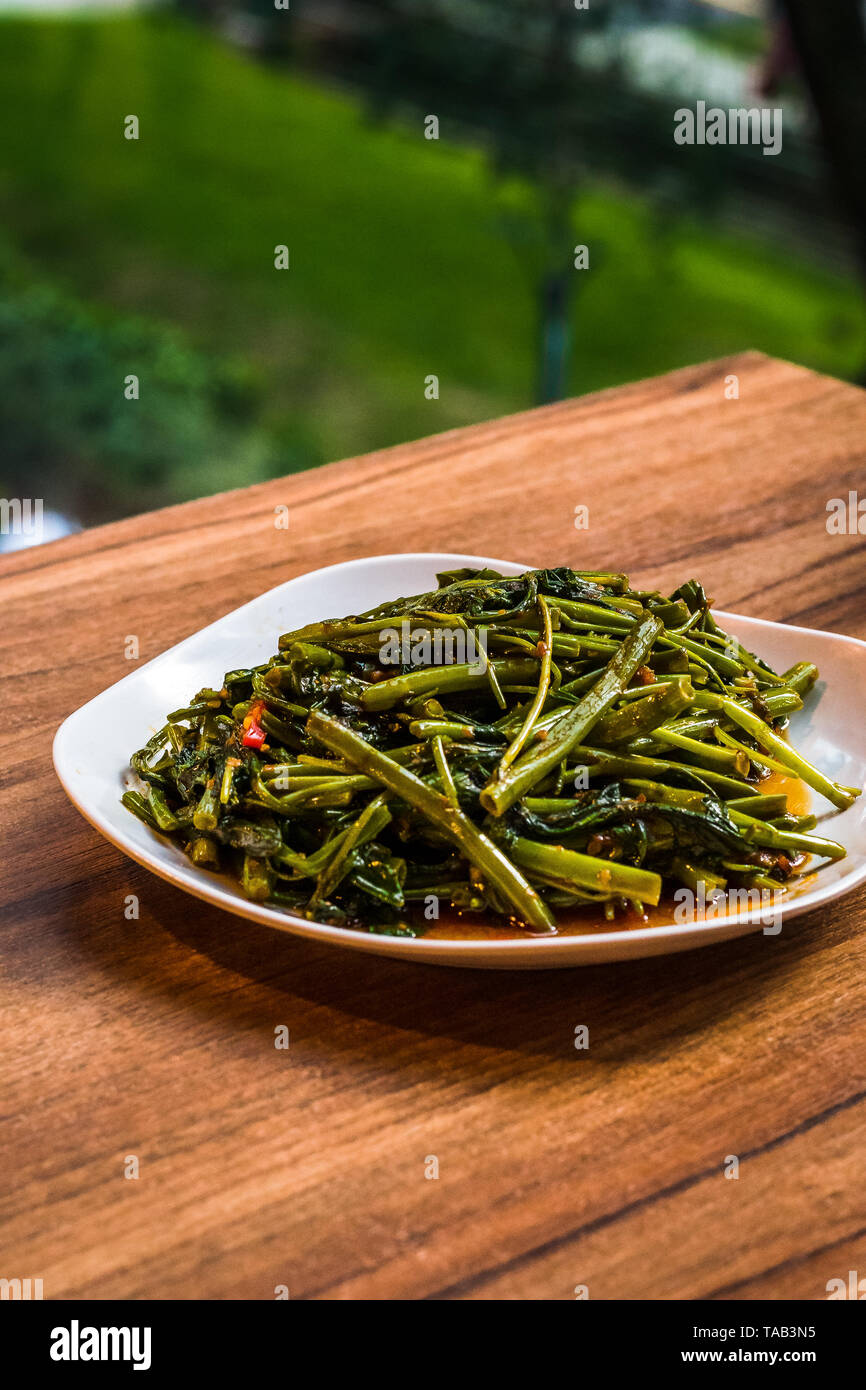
x=579, y=921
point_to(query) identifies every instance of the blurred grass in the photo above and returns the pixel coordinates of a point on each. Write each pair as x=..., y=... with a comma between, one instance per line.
x=73, y=419
x=399, y=262
x=744, y=37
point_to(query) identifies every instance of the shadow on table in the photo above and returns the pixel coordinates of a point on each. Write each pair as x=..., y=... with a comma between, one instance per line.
x=225, y=966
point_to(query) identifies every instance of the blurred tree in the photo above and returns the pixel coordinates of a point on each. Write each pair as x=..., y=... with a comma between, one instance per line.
x=830, y=42
x=546, y=92
x=80, y=388
x=543, y=89
x=511, y=75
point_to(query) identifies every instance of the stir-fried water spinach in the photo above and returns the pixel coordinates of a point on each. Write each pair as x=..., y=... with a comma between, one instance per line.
x=511, y=746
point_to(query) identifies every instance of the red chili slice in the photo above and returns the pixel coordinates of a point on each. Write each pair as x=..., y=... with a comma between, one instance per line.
x=254, y=734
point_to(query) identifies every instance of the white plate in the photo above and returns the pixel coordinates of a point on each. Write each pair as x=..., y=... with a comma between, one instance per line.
x=92, y=748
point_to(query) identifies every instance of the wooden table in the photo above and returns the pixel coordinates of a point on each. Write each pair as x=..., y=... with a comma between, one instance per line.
x=306, y=1168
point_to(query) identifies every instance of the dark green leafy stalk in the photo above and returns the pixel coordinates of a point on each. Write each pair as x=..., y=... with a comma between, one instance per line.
x=445, y=680
x=203, y=851
x=573, y=726
x=556, y=863
x=706, y=753
x=638, y=717
x=257, y=879
x=135, y=802
x=445, y=728
x=374, y=817
x=724, y=665
x=764, y=807
x=206, y=814
x=334, y=784
x=527, y=905
x=546, y=648
x=162, y=814
x=693, y=876
x=606, y=763
x=444, y=770
x=759, y=833
x=841, y=797
x=801, y=677
x=751, y=755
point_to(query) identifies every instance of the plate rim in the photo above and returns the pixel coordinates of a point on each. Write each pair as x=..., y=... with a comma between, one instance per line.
x=691, y=935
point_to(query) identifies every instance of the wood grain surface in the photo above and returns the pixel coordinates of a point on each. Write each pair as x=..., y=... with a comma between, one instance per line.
x=306, y=1167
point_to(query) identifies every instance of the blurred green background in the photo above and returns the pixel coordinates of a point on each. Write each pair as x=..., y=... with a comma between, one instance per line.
x=409, y=256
